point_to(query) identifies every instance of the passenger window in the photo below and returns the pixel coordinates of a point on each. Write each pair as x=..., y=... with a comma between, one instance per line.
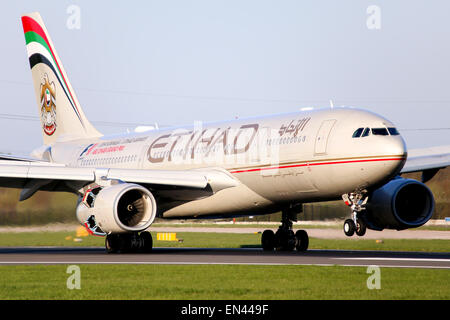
x=357, y=133
x=366, y=132
x=380, y=132
x=393, y=131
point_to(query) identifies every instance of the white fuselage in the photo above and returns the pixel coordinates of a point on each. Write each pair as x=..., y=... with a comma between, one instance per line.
x=291, y=158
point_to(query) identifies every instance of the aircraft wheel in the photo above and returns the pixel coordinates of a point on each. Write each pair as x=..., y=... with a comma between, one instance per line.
x=147, y=239
x=349, y=227
x=268, y=240
x=360, y=227
x=302, y=240
x=285, y=240
x=112, y=243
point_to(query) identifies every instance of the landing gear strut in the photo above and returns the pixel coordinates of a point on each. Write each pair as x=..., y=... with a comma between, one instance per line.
x=129, y=242
x=357, y=224
x=285, y=239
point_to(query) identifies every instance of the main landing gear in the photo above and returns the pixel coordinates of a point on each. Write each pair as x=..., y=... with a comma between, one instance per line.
x=129, y=242
x=357, y=202
x=285, y=239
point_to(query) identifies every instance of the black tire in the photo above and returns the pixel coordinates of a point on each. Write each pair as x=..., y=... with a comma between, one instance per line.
x=291, y=241
x=285, y=240
x=112, y=243
x=302, y=242
x=349, y=227
x=124, y=242
x=360, y=227
x=148, y=241
x=268, y=240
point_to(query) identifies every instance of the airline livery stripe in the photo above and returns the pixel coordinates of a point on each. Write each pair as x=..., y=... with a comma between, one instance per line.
x=37, y=48
x=36, y=58
x=36, y=44
x=39, y=58
x=30, y=24
x=308, y=164
x=32, y=36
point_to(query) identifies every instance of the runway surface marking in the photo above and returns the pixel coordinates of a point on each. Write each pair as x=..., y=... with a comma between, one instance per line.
x=210, y=256
x=156, y=262
x=395, y=259
x=213, y=263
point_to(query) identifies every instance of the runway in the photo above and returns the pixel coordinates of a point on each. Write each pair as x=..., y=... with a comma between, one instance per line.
x=247, y=256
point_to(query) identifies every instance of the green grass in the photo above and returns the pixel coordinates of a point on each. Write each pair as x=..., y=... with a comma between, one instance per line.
x=213, y=282
x=445, y=227
x=224, y=240
x=221, y=282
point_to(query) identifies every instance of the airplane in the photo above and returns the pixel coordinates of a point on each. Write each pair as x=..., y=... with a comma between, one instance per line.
x=225, y=169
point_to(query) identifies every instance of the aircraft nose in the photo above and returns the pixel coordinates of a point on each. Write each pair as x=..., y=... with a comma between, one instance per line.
x=396, y=148
x=391, y=158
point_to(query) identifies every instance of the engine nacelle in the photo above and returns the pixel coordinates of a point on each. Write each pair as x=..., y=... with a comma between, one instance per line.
x=400, y=204
x=123, y=207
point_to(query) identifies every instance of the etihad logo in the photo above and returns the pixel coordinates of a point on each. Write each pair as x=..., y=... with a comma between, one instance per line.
x=293, y=127
x=48, y=106
x=201, y=143
x=234, y=144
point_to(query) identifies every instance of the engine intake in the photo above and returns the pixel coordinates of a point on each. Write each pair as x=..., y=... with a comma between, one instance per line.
x=123, y=207
x=400, y=204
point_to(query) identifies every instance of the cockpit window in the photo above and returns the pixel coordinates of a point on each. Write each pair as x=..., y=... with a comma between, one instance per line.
x=366, y=132
x=357, y=133
x=380, y=132
x=393, y=131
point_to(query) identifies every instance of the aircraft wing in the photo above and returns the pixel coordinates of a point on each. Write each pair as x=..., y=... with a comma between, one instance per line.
x=9, y=157
x=427, y=160
x=40, y=175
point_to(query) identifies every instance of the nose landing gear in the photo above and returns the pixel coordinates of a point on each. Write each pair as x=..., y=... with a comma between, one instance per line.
x=350, y=228
x=357, y=224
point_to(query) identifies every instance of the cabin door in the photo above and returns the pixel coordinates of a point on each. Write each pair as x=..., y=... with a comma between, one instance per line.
x=322, y=137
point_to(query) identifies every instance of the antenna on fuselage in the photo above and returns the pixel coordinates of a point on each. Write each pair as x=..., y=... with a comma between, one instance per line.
x=331, y=104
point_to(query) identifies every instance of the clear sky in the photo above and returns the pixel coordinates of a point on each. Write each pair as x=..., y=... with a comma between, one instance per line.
x=174, y=62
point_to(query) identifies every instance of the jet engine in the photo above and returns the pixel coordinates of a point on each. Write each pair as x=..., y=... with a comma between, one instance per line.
x=399, y=204
x=118, y=208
